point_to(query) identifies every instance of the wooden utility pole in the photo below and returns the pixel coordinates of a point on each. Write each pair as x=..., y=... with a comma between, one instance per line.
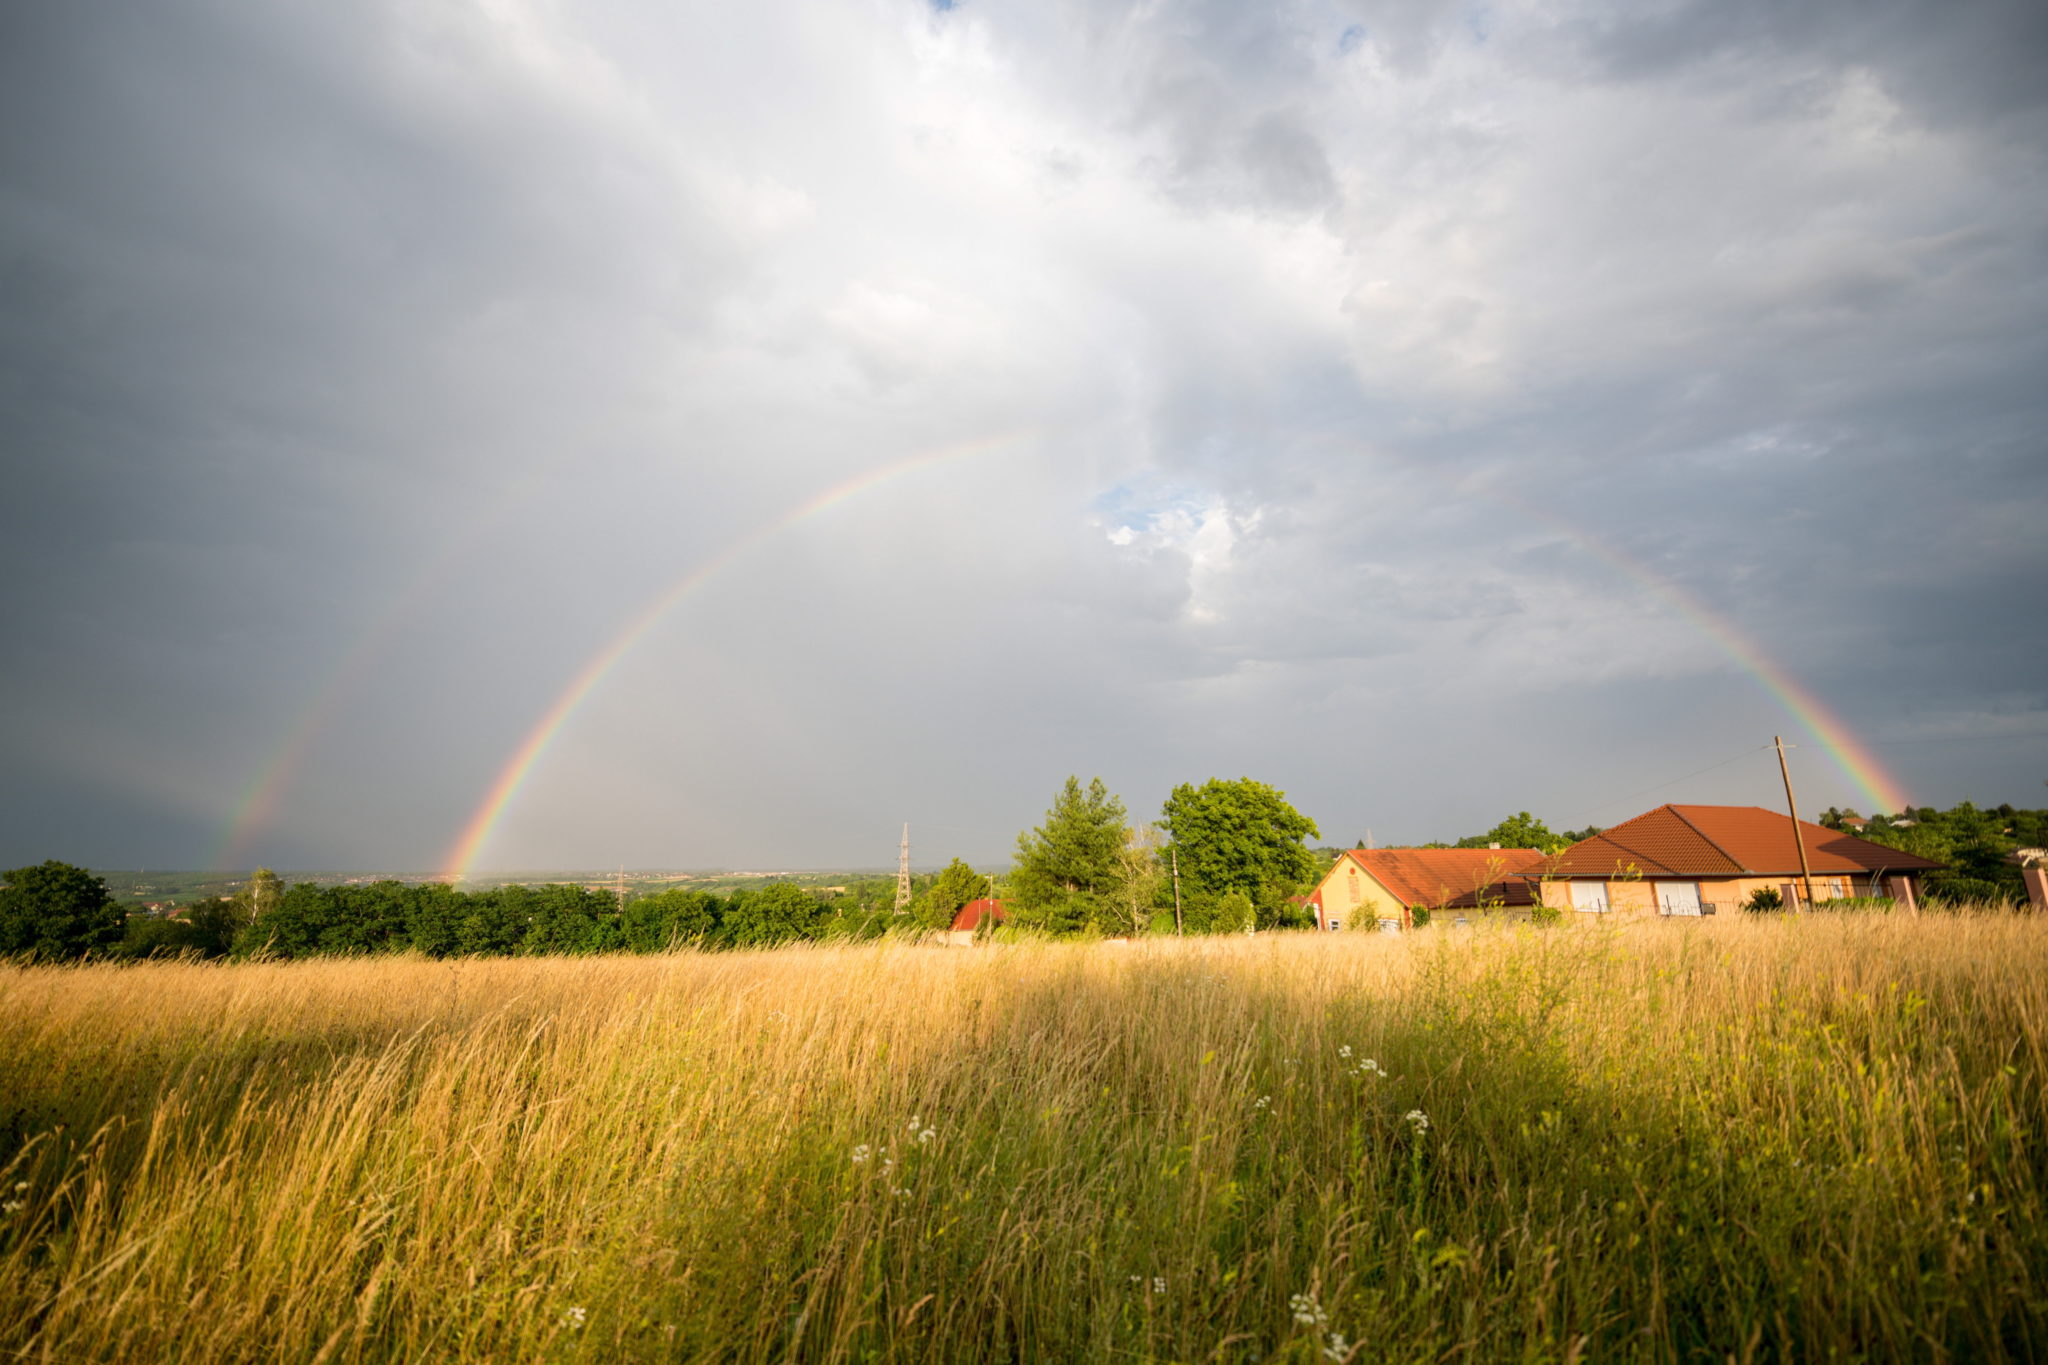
x=1176, y=891
x=1791, y=805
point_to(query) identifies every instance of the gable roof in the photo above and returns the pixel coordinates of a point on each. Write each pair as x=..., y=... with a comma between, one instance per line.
x=1721, y=841
x=972, y=913
x=1449, y=877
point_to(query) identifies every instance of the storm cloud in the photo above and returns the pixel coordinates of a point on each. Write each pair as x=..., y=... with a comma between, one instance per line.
x=1343, y=394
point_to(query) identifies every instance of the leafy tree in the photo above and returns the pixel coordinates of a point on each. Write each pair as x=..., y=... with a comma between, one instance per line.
x=1234, y=913
x=777, y=913
x=658, y=923
x=956, y=885
x=568, y=919
x=259, y=895
x=496, y=922
x=1239, y=836
x=1139, y=881
x=296, y=926
x=434, y=919
x=1075, y=850
x=56, y=911
x=1520, y=830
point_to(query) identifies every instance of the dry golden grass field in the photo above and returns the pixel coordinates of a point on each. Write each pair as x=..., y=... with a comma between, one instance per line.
x=1808, y=1139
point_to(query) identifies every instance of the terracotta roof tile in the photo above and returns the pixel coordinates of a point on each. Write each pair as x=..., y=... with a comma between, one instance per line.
x=1451, y=877
x=971, y=914
x=1721, y=841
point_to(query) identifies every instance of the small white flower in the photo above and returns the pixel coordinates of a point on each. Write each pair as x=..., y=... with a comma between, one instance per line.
x=1307, y=1311
x=915, y=1123
x=1336, y=1348
x=12, y=1206
x=1137, y=1279
x=1263, y=1102
x=575, y=1318
x=1370, y=1065
x=21, y=1187
x=927, y=1135
x=1344, y=1051
x=1159, y=1284
x=861, y=1153
x=1417, y=1120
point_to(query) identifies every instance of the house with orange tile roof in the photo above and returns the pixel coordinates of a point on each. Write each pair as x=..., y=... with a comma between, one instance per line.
x=1381, y=888
x=973, y=915
x=1703, y=860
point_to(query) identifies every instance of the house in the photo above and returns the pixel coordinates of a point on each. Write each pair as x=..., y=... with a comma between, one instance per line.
x=974, y=914
x=1702, y=860
x=1380, y=888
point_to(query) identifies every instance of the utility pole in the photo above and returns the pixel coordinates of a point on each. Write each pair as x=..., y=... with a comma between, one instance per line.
x=1798, y=835
x=1176, y=891
x=903, y=873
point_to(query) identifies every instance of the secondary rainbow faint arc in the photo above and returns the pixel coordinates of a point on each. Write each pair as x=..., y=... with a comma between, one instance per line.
x=477, y=832
x=1850, y=753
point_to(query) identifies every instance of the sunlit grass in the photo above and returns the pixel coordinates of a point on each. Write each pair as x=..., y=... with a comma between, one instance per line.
x=1782, y=1139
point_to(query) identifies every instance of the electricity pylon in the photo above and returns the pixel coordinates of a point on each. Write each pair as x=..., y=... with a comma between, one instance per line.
x=903, y=873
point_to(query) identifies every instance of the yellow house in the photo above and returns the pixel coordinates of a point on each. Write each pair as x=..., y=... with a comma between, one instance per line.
x=1380, y=888
x=1700, y=860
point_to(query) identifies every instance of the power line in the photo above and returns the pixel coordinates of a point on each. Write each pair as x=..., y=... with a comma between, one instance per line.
x=1676, y=780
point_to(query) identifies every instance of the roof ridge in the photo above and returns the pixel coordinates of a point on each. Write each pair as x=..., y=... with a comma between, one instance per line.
x=1709, y=839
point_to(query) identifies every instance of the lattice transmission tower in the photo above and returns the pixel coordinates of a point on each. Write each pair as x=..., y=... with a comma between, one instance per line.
x=903, y=873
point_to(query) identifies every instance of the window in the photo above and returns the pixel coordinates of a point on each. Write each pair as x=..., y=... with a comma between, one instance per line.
x=1335, y=925
x=1590, y=897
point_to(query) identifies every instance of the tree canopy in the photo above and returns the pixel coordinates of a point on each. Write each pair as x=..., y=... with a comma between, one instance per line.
x=1076, y=850
x=939, y=902
x=1520, y=830
x=54, y=911
x=1239, y=836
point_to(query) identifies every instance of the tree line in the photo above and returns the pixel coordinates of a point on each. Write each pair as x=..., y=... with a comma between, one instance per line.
x=1227, y=856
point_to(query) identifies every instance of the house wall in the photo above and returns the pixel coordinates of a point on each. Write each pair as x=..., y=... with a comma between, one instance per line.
x=1349, y=894
x=1725, y=895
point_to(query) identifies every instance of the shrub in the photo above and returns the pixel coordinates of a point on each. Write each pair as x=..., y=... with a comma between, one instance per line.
x=1764, y=900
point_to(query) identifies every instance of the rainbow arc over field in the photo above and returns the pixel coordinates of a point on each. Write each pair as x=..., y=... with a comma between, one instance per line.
x=1851, y=754
x=477, y=832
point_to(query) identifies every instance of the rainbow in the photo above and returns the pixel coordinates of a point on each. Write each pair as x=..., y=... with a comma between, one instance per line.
x=1862, y=767
x=476, y=833
x=264, y=792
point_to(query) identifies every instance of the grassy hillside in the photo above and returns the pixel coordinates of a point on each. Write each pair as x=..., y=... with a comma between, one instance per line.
x=1753, y=1140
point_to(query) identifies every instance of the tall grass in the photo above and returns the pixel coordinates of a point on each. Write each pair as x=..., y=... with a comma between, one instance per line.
x=1750, y=1140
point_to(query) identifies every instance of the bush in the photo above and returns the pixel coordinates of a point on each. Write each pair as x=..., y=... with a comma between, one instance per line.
x=1763, y=900
x=54, y=911
x=1420, y=915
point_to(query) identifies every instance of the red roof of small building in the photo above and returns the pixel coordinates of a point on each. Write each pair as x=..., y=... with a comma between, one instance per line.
x=1450, y=877
x=1721, y=841
x=972, y=913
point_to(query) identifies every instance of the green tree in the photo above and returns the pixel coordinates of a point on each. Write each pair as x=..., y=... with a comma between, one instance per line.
x=658, y=923
x=1075, y=850
x=1239, y=836
x=54, y=911
x=956, y=885
x=777, y=913
x=1520, y=830
x=262, y=893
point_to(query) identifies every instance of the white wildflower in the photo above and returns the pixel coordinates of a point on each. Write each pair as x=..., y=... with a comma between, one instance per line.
x=1159, y=1284
x=21, y=1187
x=1344, y=1051
x=862, y=1153
x=575, y=1318
x=1263, y=1102
x=927, y=1135
x=1417, y=1120
x=1307, y=1311
x=12, y=1206
x=915, y=1123
x=1336, y=1348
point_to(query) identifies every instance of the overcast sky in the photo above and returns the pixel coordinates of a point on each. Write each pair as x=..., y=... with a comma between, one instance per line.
x=1344, y=392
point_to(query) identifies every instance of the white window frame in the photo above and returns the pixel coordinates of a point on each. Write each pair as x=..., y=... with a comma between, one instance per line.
x=1594, y=901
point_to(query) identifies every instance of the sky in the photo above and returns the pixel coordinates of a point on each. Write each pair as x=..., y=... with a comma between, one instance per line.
x=550, y=435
